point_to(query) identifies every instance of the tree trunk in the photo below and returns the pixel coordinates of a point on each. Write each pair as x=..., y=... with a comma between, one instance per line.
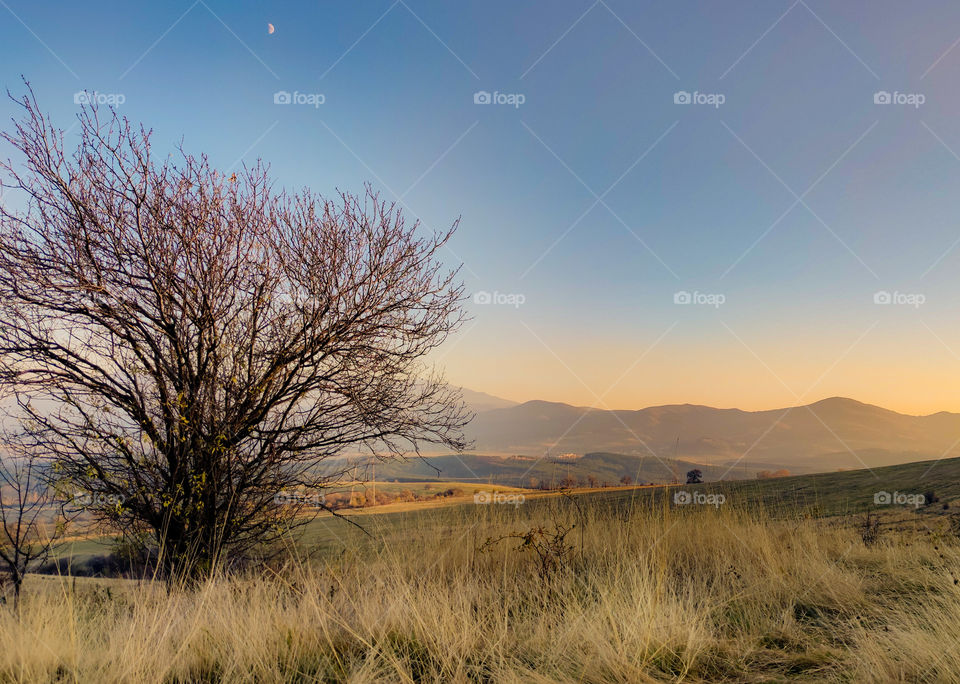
x=17, y=586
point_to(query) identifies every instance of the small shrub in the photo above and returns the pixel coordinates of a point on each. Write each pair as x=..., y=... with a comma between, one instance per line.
x=869, y=529
x=549, y=546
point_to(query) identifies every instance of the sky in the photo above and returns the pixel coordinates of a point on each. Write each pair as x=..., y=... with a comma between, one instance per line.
x=740, y=204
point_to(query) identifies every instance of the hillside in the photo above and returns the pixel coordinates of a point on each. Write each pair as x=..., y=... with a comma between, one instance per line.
x=822, y=494
x=795, y=497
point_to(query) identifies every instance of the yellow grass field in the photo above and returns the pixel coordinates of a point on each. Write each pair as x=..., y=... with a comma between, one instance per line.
x=644, y=593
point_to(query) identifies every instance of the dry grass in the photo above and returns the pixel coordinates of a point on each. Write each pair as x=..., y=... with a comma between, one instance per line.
x=658, y=594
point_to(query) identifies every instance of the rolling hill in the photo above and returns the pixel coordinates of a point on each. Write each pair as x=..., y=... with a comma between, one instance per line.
x=826, y=494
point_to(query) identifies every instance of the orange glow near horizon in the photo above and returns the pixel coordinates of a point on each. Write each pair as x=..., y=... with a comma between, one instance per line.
x=722, y=374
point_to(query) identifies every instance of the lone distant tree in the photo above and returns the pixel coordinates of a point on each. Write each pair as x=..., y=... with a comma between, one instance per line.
x=626, y=480
x=694, y=476
x=30, y=519
x=195, y=342
x=592, y=479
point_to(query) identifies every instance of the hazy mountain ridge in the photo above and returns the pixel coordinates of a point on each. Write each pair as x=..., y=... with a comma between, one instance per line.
x=816, y=436
x=481, y=401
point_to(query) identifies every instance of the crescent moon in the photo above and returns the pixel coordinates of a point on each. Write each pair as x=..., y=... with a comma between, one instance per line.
x=270, y=28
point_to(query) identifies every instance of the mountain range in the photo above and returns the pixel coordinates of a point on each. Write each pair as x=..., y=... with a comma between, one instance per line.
x=835, y=433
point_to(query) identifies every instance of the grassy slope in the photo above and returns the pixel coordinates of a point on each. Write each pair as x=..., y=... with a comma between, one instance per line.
x=790, y=498
x=645, y=593
x=824, y=494
x=757, y=590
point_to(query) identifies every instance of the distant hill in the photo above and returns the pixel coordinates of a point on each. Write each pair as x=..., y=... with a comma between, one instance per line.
x=481, y=401
x=828, y=435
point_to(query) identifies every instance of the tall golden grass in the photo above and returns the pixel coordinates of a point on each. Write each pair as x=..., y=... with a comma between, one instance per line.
x=655, y=594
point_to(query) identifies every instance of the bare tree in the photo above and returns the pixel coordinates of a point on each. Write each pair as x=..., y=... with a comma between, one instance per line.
x=29, y=521
x=191, y=343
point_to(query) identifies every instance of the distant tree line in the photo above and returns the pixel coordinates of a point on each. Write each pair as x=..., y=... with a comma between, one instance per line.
x=768, y=474
x=583, y=482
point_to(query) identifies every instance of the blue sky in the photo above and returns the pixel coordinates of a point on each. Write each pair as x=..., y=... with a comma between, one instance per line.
x=796, y=200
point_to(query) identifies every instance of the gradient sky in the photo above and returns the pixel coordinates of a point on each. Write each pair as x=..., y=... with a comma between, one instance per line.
x=599, y=198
